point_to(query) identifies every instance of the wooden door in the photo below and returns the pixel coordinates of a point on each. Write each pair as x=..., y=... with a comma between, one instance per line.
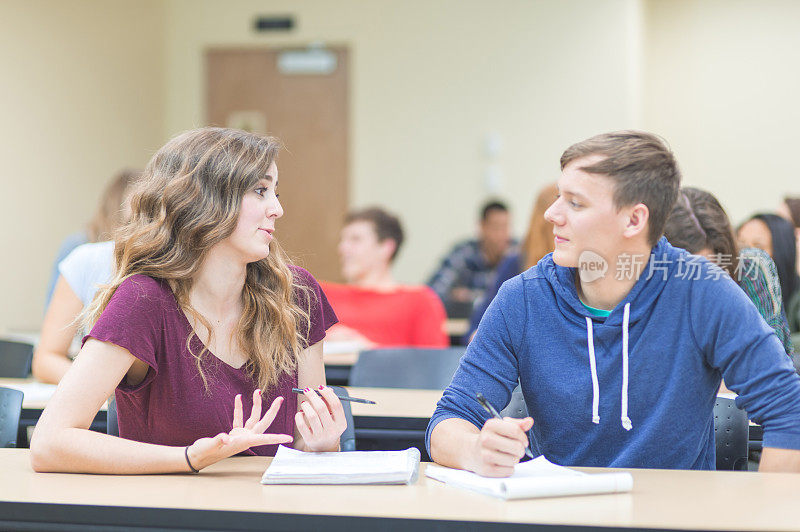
x=308, y=112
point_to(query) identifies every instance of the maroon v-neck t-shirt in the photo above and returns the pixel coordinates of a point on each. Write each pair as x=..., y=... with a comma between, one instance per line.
x=171, y=406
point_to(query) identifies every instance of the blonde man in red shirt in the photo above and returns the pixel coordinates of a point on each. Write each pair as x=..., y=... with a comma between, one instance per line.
x=373, y=309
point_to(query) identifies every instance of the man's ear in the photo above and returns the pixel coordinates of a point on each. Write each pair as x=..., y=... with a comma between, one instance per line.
x=387, y=247
x=637, y=218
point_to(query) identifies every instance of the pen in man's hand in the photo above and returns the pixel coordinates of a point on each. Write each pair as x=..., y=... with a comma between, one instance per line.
x=341, y=397
x=494, y=413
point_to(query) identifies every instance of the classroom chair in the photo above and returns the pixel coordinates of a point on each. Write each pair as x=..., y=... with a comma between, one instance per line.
x=112, y=426
x=406, y=367
x=731, y=428
x=15, y=359
x=10, y=412
x=347, y=440
x=516, y=406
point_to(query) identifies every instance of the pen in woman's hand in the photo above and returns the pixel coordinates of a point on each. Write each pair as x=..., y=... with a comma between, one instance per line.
x=341, y=397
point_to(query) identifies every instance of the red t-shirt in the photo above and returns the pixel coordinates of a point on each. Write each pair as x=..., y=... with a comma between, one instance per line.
x=171, y=406
x=405, y=316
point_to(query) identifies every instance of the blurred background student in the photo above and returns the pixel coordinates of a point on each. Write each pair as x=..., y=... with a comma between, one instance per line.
x=789, y=208
x=466, y=272
x=373, y=309
x=79, y=275
x=776, y=236
x=700, y=225
x=538, y=242
x=107, y=217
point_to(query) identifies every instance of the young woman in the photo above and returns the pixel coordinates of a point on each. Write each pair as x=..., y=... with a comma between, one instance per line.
x=699, y=224
x=776, y=236
x=202, y=322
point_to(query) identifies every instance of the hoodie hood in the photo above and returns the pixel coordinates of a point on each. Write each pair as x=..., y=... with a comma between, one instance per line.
x=659, y=267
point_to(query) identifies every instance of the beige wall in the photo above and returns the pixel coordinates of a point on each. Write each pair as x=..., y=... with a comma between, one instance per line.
x=81, y=96
x=430, y=81
x=92, y=85
x=722, y=84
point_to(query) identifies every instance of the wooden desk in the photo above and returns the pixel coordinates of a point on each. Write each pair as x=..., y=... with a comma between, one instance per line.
x=395, y=403
x=456, y=327
x=398, y=420
x=36, y=396
x=398, y=415
x=228, y=496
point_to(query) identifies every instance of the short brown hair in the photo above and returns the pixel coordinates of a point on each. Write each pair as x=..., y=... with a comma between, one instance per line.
x=643, y=168
x=699, y=222
x=386, y=225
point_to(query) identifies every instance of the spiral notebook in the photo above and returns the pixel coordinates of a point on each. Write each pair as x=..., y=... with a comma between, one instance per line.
x=356, y=467
x=535, y=478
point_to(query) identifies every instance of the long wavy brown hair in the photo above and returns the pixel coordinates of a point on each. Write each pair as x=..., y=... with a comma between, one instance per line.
x=188, y=200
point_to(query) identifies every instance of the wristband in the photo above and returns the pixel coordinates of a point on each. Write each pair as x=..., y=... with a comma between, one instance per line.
x=186, y=454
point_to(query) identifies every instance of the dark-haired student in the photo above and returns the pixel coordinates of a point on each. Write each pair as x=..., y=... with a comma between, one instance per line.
x=467, y=271
x=538, y=242
x=202, y=323
x=619, y=348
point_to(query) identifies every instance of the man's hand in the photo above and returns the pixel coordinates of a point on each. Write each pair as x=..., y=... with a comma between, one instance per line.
x=499, y=446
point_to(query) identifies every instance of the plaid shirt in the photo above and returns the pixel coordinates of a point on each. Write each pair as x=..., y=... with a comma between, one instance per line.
x=758, y=277
x=464, y=267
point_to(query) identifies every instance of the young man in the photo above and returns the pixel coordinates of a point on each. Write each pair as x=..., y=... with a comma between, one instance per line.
x=468, y=270
x=373, y=309
x=618, y=339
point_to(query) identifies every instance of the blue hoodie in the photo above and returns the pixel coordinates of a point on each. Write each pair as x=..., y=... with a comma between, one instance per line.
x=635, y=389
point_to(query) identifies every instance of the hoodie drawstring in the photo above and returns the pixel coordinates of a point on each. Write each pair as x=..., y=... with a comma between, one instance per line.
x=593, y=366
x=626, y=421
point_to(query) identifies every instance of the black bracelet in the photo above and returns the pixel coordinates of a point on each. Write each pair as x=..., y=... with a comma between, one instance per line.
x=186, y=454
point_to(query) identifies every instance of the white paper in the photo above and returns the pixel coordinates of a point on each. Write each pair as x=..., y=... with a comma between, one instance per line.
x=535, y=478
x=357, y=467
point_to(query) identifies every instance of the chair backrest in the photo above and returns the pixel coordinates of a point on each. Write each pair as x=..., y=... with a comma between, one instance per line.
x=15, y=359
x=112, y=425
x=347, y=440
x=10, y=412
x=516, y=406
x=731, y=428
x=406, y=367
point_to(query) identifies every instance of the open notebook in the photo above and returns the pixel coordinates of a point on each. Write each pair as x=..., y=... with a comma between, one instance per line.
x=535, y=478
x=357, y=467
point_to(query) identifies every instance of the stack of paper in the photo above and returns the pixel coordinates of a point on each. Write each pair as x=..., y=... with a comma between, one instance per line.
x=536, y=478
x=357, y=467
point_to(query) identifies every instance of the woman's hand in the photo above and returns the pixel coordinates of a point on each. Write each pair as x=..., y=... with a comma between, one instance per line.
x=320, y=420
x=242, y=436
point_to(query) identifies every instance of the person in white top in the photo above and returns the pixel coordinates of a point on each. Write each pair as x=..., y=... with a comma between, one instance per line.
x=81, y=273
